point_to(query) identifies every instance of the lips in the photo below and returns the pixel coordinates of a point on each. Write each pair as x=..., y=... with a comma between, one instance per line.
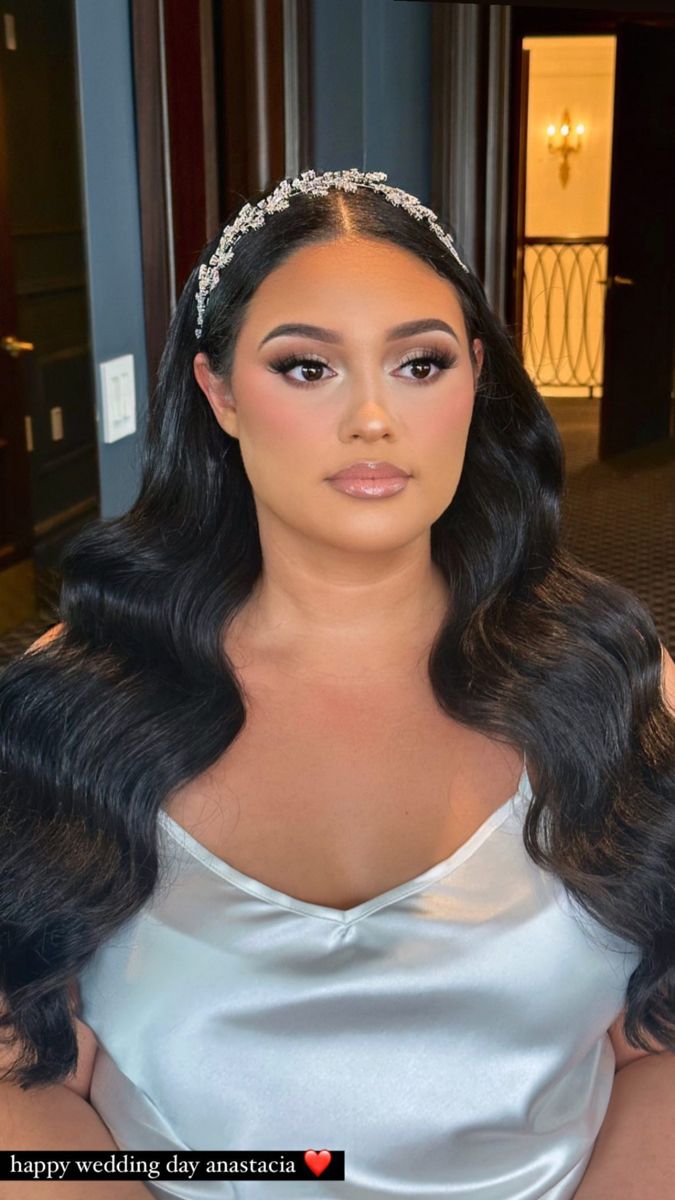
x=371, y=470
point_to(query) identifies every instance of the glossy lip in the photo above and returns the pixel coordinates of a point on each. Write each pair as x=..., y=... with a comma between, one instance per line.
x=371, y=488
x=367, y=469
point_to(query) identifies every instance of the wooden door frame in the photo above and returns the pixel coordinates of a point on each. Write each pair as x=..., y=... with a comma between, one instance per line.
x=16, y=477
x=223, y=105
x=153, y=183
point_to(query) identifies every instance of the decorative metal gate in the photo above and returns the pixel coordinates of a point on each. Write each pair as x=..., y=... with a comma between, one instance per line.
x=563, y=310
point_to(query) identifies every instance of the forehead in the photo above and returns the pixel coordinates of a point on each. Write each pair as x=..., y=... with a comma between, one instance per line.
x=353, y=284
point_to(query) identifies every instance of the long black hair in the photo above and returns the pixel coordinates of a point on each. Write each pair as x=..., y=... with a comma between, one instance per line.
x=136, y=696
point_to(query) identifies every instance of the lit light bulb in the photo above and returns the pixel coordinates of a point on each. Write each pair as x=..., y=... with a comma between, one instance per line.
x=551, y=130
x=580, y=129
x=564, y=129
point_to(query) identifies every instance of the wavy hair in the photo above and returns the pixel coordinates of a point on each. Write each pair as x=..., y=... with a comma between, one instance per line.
x=135, y=696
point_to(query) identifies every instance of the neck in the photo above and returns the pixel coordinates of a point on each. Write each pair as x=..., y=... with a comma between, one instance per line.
x=348, y=619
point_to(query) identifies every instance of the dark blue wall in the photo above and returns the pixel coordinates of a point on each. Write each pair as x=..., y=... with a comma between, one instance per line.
x=112, y=223
x=372, y=89
x=371, y=63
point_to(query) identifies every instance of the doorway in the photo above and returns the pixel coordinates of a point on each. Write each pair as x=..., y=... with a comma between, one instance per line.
x=48, y=447
x=568, y=160
x=614, y=408
x=594, y=125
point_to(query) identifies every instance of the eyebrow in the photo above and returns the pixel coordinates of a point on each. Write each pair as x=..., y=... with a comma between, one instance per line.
x=407, y=329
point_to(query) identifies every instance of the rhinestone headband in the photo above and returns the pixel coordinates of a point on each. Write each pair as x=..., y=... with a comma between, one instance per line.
x=311, y=184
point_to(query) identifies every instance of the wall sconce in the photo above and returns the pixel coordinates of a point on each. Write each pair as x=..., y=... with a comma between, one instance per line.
x=563, y=146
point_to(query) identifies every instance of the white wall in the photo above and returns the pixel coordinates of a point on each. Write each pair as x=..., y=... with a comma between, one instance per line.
x=575, y=73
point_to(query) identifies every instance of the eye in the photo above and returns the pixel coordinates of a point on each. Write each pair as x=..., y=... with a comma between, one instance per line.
x=439, y=358
x=283, y=365
x=442, y=360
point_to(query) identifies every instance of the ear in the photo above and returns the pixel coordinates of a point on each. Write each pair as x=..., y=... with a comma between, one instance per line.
x=217, y=393
x=478, y=355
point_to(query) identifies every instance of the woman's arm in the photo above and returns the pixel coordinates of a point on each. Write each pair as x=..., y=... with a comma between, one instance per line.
x=634, y=1153
x=56, y=1118
x=59, y=1117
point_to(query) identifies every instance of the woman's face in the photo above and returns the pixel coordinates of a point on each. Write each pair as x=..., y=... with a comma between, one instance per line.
x=353, y=394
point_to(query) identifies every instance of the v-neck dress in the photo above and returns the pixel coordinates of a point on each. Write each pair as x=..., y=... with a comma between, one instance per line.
x=450, y=1035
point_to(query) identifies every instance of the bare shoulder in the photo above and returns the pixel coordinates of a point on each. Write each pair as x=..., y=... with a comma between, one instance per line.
x=46, y=638
x=624, y=1052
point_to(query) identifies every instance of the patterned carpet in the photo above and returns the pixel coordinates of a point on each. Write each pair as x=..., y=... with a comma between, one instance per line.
x=619, y=515
x=618, y=519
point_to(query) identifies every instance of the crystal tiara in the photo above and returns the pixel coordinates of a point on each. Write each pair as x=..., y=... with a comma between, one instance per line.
x=253, y=216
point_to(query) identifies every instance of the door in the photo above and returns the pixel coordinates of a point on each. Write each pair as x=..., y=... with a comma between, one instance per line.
x=15, y=516
x=48, y=452
x=640, y=285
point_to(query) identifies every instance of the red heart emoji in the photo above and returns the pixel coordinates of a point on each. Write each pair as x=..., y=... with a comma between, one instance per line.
x=317, y=1162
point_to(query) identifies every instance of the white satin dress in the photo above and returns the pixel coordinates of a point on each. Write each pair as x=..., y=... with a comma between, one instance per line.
x=450, y=1035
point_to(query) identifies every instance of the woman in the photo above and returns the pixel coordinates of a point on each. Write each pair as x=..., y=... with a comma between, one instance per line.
x=344, y=794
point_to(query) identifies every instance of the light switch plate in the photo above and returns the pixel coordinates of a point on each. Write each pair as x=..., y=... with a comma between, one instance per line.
x=118, y=397
x=56, y=418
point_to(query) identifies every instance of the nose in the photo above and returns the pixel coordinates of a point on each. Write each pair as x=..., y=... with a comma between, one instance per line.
x=368, y=412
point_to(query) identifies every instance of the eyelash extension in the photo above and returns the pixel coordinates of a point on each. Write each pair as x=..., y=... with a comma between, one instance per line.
x=439, y=358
